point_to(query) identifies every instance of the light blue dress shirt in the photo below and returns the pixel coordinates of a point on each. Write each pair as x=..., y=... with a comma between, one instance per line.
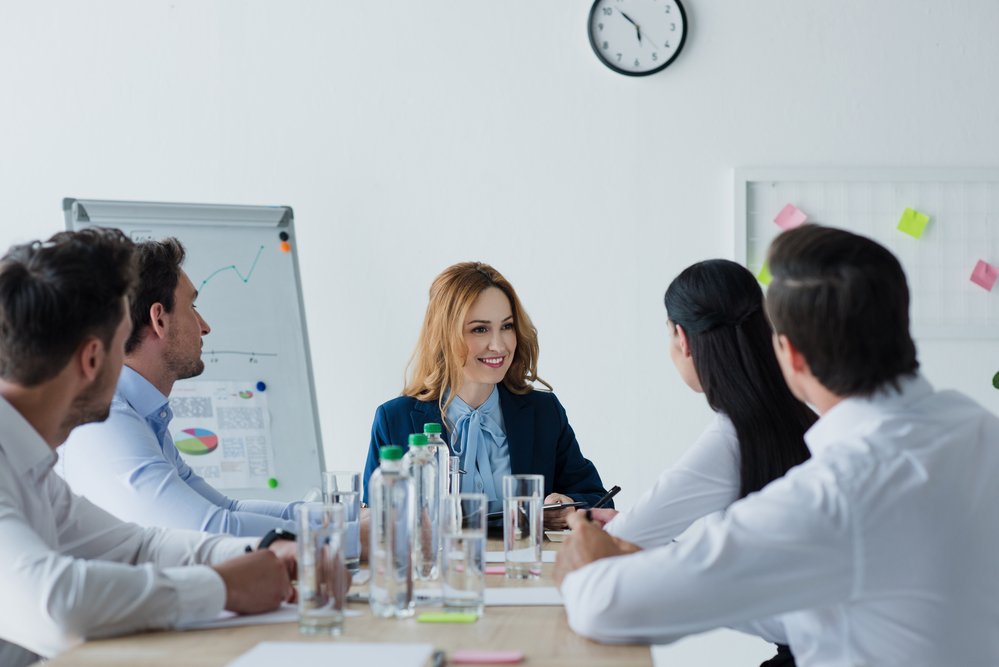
x=129, y=466
x=480, y=440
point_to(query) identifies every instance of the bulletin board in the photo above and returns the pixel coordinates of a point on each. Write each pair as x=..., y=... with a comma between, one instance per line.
x=961, y=209
x=249, y=423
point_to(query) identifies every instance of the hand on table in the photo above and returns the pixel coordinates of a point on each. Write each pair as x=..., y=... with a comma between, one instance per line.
x=256, y=582
x=587, y=543
x=603, y=515
x=557, y=519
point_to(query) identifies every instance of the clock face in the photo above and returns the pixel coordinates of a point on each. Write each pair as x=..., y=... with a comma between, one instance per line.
x=637, y=37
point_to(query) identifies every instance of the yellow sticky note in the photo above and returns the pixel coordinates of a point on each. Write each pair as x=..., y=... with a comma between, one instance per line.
x=764, y=275
x=913, y=223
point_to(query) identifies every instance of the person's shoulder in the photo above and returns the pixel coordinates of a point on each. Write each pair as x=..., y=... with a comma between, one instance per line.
x=544, y=398
x=404, y=405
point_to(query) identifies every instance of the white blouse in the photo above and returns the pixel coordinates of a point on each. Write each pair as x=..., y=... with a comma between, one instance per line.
x=704, y=480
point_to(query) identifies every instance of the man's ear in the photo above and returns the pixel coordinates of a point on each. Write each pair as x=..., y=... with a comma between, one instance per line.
x=796, y=360
x=90, y=357
x=684, y=341
x=158, y=319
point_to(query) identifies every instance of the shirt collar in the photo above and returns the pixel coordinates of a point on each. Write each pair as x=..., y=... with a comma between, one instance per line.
x=851, y=414
x=140, y=393
x=24, y=447
x=459, y=408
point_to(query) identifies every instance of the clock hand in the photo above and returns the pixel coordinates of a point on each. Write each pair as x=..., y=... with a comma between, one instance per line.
x=638, y=30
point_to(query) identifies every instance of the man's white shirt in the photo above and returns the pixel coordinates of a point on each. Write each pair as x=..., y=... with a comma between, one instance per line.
x=69, y=570
x=879, y=550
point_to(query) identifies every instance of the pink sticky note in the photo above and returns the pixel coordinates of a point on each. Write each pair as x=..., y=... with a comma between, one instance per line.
x=495, y=569
x=790, y=217
x=985, y=275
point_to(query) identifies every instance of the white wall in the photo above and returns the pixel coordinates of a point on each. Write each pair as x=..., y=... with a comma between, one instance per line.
x=411, y=135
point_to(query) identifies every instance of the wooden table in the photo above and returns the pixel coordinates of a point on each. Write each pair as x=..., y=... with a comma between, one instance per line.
x=542, y=633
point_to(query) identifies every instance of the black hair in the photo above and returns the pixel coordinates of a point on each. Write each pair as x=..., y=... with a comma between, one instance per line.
x=159, y=272
x=720, y=307
x=843, y=302
x=54, y=295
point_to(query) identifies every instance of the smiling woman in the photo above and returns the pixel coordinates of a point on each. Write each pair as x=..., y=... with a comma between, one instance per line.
x=475, y=364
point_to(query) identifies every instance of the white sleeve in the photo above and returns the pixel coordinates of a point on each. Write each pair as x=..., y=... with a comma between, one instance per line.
x=104, y=578
x=703, y=481
x=788, y=547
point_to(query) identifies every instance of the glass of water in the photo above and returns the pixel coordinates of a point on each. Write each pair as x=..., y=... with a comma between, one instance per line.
x=344, y=487
x=454, y=475
x=322, y=578
x=464, y=562
x=523, y=508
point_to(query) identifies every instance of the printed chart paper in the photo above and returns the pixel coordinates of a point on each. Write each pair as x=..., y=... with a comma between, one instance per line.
x=222, y=430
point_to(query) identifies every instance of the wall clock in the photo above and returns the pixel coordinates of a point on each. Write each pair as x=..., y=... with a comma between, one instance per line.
x=637, y=37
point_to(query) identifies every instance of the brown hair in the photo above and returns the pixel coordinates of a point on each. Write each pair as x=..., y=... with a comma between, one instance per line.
x=159, y=272
x=436, y=364
x=843, y=301
x=57, y=294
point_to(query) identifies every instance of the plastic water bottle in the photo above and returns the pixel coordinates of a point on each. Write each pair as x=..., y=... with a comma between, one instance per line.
x=392, y=516
x=434, y=440
x=421, y=465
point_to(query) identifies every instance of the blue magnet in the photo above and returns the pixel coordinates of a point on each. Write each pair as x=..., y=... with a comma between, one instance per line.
x=261, y=386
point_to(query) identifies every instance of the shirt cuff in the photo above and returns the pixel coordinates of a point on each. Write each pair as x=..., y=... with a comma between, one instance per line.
x=200, y=593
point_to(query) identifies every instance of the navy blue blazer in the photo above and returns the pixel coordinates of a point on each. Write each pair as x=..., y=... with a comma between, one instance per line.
x=538, y=434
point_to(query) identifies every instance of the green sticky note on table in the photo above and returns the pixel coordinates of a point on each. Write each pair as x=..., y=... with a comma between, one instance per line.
x=764, y=275
x=447, y=617
x=913, y=223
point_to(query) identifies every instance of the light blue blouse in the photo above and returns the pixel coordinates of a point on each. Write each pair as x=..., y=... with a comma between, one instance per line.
x=479, y=438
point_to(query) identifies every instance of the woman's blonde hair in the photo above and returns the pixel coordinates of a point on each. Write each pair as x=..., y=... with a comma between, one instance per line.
x=436, y=364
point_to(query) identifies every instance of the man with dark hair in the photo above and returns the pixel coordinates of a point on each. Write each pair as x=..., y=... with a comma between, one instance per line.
x=68, y=570
x=129, y=465
x=878, y=550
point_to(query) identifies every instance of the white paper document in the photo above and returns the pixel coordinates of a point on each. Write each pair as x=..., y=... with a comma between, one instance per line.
x=287, y=613
x=528, y=596
x=223, y=431
x=269, y=654
x=499, y=557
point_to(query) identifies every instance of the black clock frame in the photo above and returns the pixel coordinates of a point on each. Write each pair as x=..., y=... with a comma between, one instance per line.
x=612, y=66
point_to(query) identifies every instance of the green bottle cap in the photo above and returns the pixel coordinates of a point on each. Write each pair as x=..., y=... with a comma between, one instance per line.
x=417, y=439
x=390, y=453
x=432, y=427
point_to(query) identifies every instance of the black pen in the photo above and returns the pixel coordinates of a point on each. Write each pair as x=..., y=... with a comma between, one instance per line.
x=439, y=659
x=603, y=501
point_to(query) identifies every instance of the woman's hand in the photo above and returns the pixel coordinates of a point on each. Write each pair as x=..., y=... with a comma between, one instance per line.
x=558, y=519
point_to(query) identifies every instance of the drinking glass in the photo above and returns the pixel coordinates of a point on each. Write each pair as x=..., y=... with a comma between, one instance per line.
x=344, y=487
x=463, y=567
x=322, y=578
x=523, y=497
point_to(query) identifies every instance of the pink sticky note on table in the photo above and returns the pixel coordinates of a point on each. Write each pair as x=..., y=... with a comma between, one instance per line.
x=495, y=569
x=985, y=275
x=790, y=217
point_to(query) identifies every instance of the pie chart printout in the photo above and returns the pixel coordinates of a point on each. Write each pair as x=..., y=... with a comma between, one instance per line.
x=198, y=441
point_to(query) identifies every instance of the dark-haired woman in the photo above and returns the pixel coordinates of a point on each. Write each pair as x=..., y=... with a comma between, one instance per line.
x=720, y=342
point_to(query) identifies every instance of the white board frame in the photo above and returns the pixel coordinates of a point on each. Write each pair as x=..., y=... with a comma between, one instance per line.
x=299, y=469
x=744, y=236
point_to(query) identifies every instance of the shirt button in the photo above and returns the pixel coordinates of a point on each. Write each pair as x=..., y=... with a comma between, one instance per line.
x=163, y=415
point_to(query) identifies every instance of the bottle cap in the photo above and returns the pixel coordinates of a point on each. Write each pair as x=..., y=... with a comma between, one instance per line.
x=432, y=427
x=390, y=453
x=417, y=439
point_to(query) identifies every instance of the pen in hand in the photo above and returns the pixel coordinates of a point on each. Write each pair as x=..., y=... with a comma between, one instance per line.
x=603, y=501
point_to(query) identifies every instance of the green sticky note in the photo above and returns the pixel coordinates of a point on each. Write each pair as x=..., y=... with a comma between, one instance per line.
x=913, y=223
x=446, y=617
x=764, y=275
